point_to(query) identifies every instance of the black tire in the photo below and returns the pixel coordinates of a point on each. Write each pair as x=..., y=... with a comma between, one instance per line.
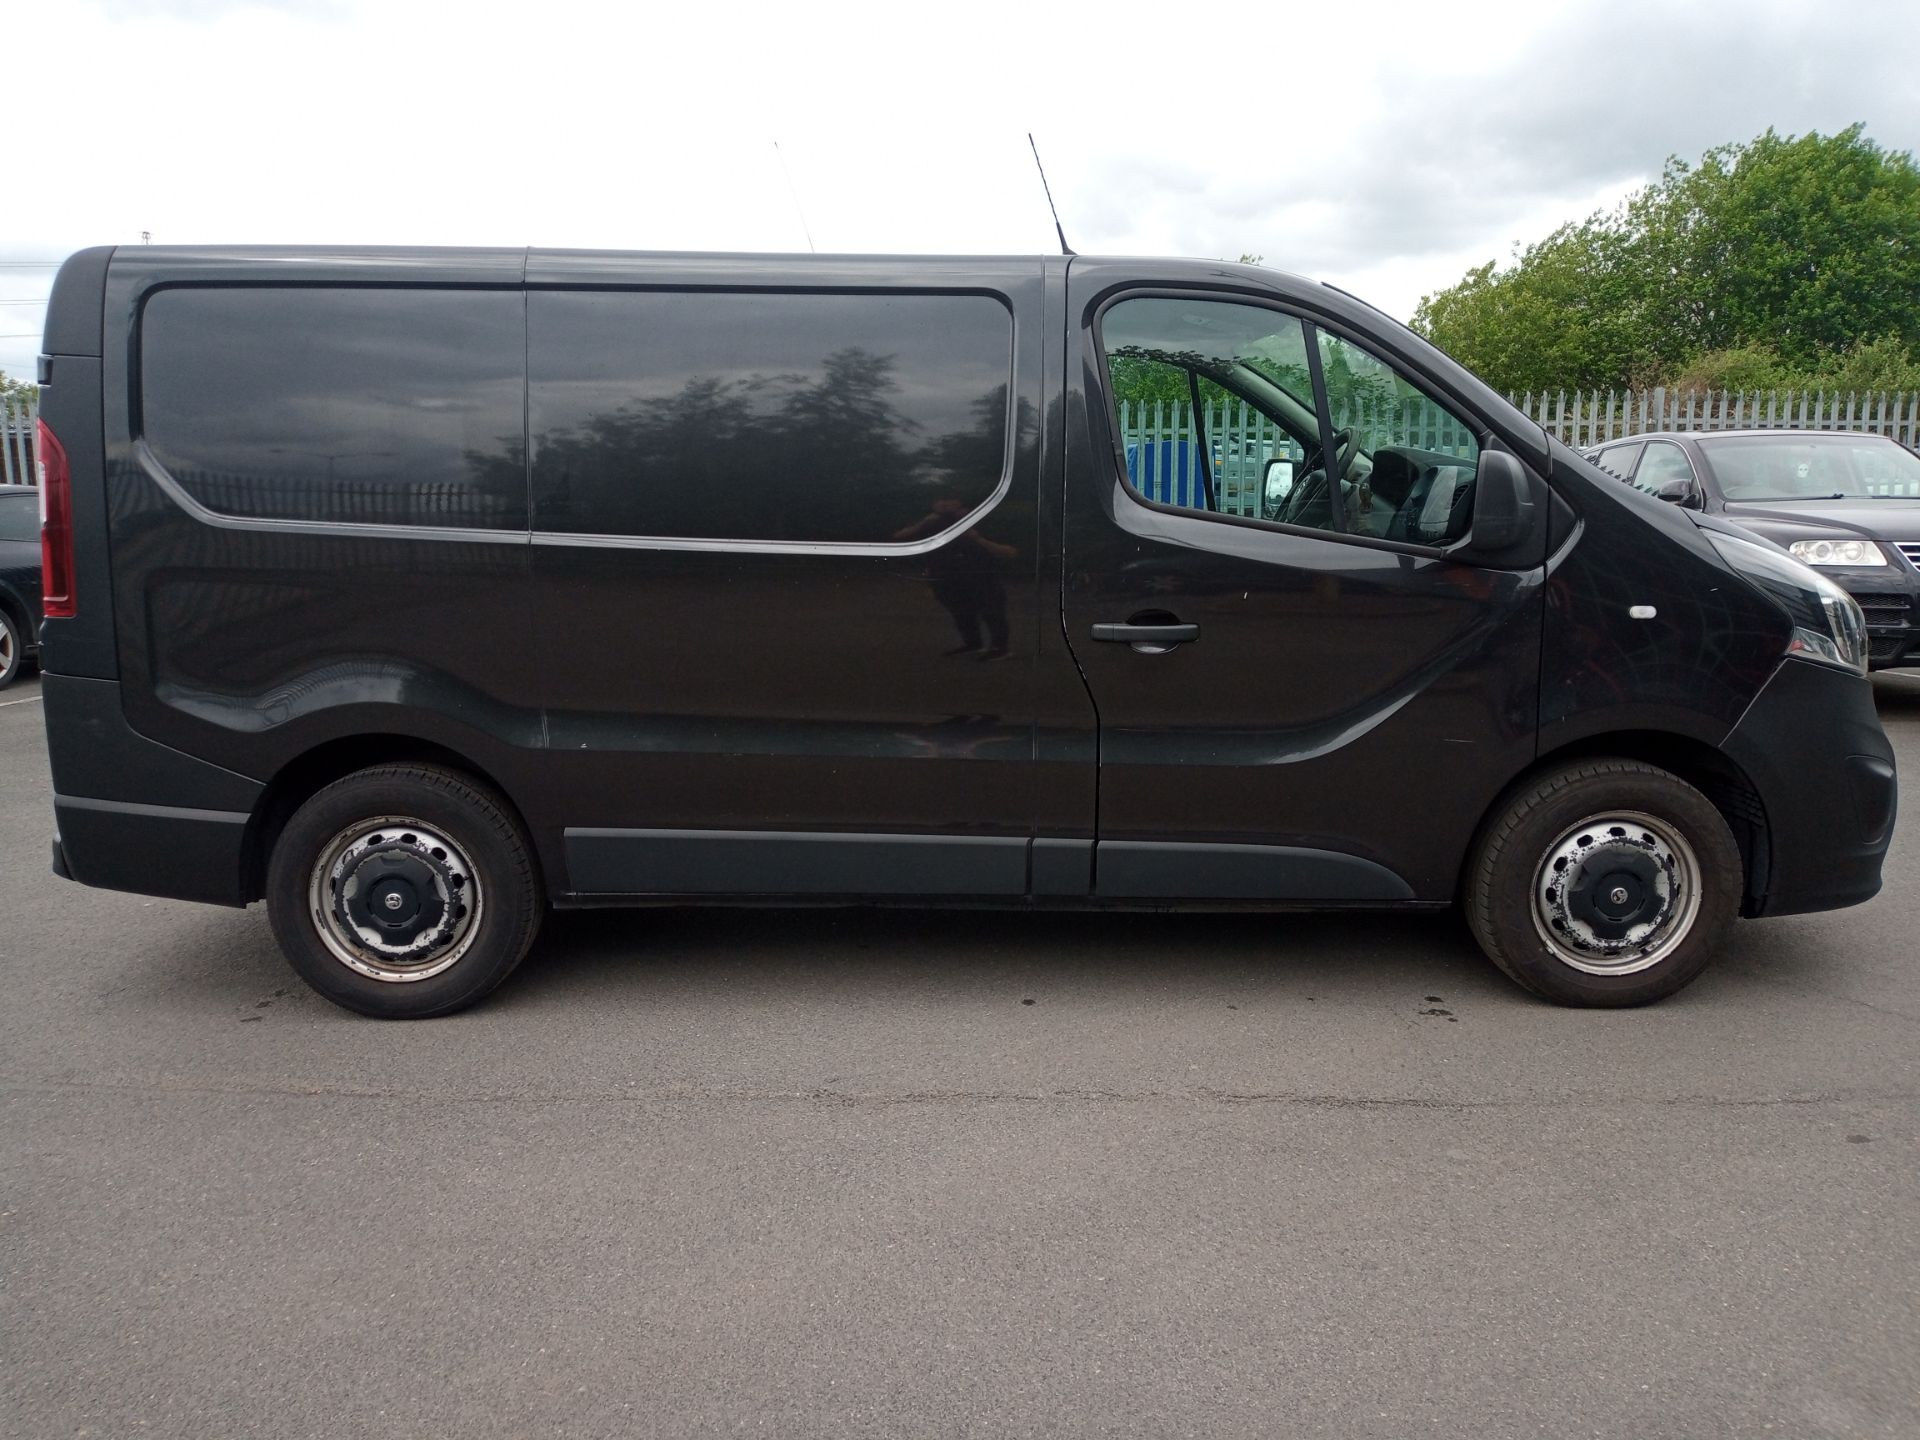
x=13, y=648
x=1609, y=923
x=448, y=847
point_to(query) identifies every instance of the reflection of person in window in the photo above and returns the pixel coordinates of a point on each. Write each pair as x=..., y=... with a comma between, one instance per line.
x=966, y=580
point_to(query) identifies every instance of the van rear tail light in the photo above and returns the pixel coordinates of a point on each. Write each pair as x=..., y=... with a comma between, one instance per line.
x=56, y=526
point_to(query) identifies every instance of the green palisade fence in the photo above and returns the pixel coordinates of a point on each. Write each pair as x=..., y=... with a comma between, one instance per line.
x=16, y=441
x=1592, y=417
x=1242, y=439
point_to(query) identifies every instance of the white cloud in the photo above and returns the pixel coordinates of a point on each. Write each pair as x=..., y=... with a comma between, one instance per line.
x=1384, y=148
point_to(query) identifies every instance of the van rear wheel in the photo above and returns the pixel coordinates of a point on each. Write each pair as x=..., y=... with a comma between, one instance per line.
x=1604, y=883
x=403, y=891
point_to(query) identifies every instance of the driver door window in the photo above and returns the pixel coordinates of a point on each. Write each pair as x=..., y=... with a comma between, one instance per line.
x=1213, y=410
x=1412, y=476
x=1164, y=439
x=1199, y=419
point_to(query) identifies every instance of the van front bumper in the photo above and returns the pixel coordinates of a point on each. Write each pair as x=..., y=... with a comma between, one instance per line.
x=1812, y=745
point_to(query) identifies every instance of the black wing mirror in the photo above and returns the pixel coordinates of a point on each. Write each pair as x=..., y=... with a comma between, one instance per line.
x=1502, y=503
x=1676, y=492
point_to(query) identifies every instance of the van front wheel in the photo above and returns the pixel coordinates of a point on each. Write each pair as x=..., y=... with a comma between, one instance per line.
x=1604, y=883
x=403, y=891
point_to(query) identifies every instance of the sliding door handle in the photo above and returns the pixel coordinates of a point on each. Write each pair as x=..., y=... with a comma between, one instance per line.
x=1152, y=638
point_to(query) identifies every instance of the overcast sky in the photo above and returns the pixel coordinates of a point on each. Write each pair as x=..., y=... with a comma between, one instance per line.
x=1385, y=147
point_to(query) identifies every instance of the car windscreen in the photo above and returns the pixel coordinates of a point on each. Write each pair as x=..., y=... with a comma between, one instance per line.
x=1804, y=467
x=20, y=517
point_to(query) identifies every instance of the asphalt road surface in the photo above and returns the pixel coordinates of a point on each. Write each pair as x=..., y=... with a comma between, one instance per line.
x=804, y=1173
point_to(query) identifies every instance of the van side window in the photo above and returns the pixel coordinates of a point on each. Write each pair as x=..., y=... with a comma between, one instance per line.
x=20, y=517
x=766, y=417
x=1213, y=410
x=389, y=407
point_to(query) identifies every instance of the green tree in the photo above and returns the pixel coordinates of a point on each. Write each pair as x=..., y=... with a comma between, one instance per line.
x=1883, y=364
x=1564, y=314
x=1866, y=368
x=1142, y=378
x=1737, y=368
x=1798, y=247
x=15, y=392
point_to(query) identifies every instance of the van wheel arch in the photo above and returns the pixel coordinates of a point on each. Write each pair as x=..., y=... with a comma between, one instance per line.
x=1699, y=764
x=22, y=617
x=17, y=608
x=312, y=771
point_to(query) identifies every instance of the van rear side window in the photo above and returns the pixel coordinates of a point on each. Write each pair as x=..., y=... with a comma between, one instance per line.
x=364, y=406
x=769, y=417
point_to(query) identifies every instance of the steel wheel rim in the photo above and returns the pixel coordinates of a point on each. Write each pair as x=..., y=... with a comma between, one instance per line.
x=1585, y=925
x=396, y=854
x=6, y=648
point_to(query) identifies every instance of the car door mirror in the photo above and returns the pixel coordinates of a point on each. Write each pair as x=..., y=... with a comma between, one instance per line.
x=1676, y=492
x=1276, y=483
x=1502, y=503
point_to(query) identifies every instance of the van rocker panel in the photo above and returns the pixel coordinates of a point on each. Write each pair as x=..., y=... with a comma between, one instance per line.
x=781, y=862
x=1152, y=870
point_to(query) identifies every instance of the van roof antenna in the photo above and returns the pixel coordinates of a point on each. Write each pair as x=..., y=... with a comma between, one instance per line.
x=1058, y=229
x=805, y=229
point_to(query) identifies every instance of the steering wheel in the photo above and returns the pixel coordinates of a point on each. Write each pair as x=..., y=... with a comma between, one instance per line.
x=1346, y=449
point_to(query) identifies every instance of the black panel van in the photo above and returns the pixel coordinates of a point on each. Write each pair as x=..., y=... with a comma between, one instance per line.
x=414, y=591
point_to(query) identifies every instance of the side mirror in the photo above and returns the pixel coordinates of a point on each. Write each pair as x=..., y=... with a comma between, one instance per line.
x=1276, y=482
x=1676, y=492
x=1502, y=503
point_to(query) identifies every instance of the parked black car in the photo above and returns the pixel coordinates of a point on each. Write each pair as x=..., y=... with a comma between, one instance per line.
x=413, y=591
x=1848, y=504
x=19, y=580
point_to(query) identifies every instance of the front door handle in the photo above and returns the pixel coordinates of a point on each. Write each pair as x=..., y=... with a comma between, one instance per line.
x=1151, y=639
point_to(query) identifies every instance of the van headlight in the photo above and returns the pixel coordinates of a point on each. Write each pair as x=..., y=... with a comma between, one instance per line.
x=1851, y=553
x=1827, y=623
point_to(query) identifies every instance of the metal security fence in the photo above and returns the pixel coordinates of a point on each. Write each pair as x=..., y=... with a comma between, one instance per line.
x=1163, y=449
x=1592, y=417
x=1163, y=446
x=1164, y=460
x=395, y=501
x=17, y=417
